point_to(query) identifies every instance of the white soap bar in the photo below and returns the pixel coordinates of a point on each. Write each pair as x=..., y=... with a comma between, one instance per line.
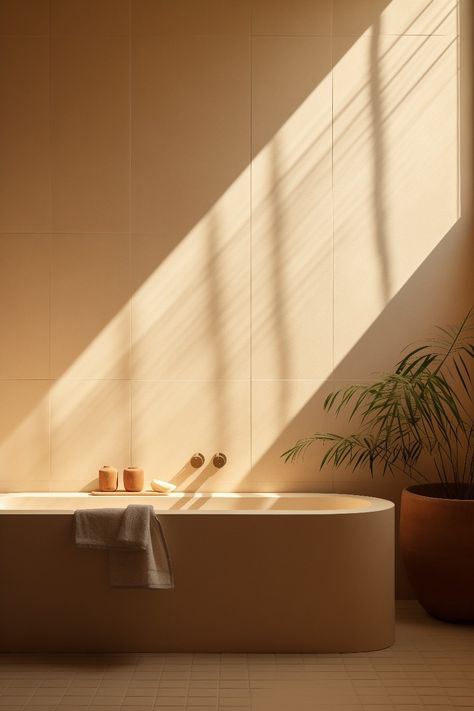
x=164, y=487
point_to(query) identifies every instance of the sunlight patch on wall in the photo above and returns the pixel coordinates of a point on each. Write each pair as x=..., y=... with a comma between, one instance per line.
x=231, y=341
x=395, y=170
x=395, y=17
x=190, y=318
x=90, y=427
x=292, y=246
x=106, y=357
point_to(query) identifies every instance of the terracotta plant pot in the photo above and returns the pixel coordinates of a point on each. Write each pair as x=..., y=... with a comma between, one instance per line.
x=108, y=478
x=437, y=544
x=133, y=478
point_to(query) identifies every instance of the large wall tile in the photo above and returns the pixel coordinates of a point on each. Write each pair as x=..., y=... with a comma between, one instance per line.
x=90, y=310
x=284, y=412
x=190, y=318
x=24, y=17
x=25, y=174
x=291, y=209
x=25, y=310
x=190, y=17
x=412, y=314
x=90, y=124
x=301, y=17
x=172, y=420
x=24, y=435
x=90, y=427
x=188, y=149
x=191, y=199
x=90, y=17
x=395, y=17
x=395, y=173
x=290, y=76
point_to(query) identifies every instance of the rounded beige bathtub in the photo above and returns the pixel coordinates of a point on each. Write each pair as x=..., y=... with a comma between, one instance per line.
x=253, y=573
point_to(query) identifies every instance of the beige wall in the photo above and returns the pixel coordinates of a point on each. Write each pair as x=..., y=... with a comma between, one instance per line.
x=213, y=214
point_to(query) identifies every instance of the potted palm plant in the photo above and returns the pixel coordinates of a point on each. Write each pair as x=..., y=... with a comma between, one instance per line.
x=418, y=419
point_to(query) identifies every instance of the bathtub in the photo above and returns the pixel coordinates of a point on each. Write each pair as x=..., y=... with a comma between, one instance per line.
x=253, y=573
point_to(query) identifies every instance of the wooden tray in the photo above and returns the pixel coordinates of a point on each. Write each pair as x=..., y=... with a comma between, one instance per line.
x=121, y=492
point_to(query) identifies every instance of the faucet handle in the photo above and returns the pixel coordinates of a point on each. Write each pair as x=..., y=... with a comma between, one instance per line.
x=197, y=460
x=219, y=460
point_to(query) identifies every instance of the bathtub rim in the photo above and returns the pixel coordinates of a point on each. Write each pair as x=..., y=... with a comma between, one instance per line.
x=375, y=504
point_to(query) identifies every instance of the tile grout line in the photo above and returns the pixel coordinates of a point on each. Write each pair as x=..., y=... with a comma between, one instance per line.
x=130, y=260
x=50, y=250
x=458, y=123
x=332, y=201
x=251, y=241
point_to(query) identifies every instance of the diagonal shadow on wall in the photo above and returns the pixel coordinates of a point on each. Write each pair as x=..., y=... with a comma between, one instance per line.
x=439, y=286
x=208, y=151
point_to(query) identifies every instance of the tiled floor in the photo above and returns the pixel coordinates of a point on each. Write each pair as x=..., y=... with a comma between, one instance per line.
x=431, y=667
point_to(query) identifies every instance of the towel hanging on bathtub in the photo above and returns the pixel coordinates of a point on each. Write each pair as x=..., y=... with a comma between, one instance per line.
x=138, y=555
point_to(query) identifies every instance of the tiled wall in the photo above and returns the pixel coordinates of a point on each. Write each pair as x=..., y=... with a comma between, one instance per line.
x=212, y=213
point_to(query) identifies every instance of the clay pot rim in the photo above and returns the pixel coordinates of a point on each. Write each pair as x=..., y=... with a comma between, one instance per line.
x=411, y=490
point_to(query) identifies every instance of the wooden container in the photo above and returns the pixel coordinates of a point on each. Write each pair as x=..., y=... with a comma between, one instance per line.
x=108, y=478
x=133, y=478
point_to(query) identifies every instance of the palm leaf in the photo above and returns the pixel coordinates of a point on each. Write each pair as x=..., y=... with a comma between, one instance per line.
x=421, y=406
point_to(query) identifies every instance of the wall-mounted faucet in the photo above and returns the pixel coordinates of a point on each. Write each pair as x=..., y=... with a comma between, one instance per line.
x=197, y=460
x=219, y=460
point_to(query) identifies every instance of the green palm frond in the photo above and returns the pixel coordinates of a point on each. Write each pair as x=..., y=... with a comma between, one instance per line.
x=423, y=406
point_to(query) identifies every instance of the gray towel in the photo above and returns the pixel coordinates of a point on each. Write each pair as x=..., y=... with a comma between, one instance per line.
x=138, y=556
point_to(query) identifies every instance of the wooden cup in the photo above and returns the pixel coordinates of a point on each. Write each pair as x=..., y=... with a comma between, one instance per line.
x=108, y=478
x=133, y=478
